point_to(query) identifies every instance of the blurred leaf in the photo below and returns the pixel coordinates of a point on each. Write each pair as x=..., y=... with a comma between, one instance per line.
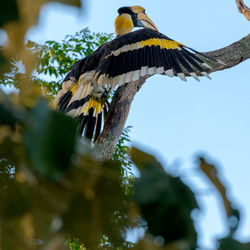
x=165, y=201
x=16, y=202
x=211, y=172
x=96, y=205
x=56, y=243
x=76, y=3
x=149, y=243
x=8, y=11
x=6, y=116
x=9, y=115
x=232, y=244
x=50, y=140
x=6, y=173
x=3, y=61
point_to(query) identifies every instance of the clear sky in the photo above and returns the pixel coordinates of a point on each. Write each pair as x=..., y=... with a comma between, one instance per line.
x=178, y=119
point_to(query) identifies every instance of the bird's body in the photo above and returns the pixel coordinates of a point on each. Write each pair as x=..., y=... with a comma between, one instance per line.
x=125, y=59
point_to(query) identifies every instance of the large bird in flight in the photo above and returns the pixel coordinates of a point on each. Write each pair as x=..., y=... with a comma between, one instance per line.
x=131, y=55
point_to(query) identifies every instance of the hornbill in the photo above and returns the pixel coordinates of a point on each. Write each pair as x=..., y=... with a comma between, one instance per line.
x=131, y=55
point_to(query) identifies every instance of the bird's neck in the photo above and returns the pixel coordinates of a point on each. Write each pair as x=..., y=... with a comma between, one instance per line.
x=123, y=24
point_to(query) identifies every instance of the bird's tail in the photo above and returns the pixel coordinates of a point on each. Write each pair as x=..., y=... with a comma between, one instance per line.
x=75, y=99
x=91, y=120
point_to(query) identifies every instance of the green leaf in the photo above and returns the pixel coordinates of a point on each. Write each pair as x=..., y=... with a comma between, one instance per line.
x=96, y=199
x=9, y=115
x=165, y=201
x=75, y=244
x=50, y=139
x=232, y=244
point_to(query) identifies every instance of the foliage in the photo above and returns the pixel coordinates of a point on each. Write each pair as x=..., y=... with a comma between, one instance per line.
x=168, y=201
x=75, y=244
x=54, y=193
x=82, y=197
x=50, y=185
x=54, y=59
x=122, y=154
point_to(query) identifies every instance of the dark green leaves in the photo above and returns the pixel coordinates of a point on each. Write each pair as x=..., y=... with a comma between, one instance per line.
x=6, y=116
x=9, y=113
x=3, y=61
x=49, y=137
x=50, y=140
x=53, y=189
x=96, y=198
x=165, y=202
x=232, y=244
x=56, y=58
x=8, y=11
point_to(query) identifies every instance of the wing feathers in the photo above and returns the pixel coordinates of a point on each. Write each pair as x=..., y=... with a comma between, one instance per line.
x=123, y=60
x=90, y=126
x=98, y=126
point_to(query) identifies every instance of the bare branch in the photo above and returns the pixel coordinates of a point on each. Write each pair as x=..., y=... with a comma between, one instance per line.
x=243, y=9
x=232, y=54
x=120, y=106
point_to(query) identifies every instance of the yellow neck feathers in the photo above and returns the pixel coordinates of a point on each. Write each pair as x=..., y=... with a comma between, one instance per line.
x=123, y=24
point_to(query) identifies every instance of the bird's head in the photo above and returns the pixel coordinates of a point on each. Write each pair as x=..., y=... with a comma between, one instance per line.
x=130, y=17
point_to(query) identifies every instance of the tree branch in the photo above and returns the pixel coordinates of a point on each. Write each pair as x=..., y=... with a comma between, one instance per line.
x=243, y=9
x=120, y=106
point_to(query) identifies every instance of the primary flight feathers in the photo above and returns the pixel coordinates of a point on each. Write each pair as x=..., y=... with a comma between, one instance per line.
x=125, y=59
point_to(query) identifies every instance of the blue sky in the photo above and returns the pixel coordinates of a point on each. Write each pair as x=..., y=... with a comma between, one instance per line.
x=176, y=119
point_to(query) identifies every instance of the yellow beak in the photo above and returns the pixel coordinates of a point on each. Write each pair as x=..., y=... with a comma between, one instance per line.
x=145, y=21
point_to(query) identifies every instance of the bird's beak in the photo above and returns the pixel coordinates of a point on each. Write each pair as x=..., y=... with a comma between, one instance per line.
x=144, y=21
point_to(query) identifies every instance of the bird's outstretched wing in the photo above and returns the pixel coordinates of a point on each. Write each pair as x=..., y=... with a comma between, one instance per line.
x=125, y=59
x=148, y=52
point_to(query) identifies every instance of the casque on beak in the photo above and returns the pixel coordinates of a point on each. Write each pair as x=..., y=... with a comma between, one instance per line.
x=130, y=17
x=144, y=21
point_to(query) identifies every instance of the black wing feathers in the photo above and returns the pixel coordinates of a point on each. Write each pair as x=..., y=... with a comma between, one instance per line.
x=166, y=60
x=145, y=48
x=64, y=101
x=191, y=59
x=90, y=126
x=175, y=63
x=180, y=59
x=98, y=126
x=78, y=103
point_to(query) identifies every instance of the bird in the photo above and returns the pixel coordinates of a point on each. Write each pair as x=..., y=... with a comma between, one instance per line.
x=132, y=54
